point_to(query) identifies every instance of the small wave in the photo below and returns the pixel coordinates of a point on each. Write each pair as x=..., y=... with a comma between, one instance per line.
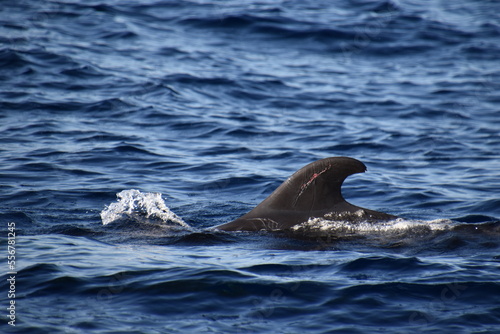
x=136, y=206
x=194, y=80
x=82, y=72
x=227, y=21
x=66, y=106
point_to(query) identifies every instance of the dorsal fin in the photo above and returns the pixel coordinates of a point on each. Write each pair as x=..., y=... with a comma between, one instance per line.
x=314, y=187
x=314, y=191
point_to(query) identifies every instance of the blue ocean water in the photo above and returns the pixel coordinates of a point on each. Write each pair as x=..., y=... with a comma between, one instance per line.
x=195, y=111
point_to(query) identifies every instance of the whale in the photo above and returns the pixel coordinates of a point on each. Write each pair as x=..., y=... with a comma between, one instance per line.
x=314, y=191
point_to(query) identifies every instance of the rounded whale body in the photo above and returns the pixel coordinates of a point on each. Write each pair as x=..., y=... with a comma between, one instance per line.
x=314, y=191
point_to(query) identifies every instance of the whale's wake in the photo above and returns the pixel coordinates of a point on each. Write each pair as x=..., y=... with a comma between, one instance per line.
x=345, y=228
x=134, y=206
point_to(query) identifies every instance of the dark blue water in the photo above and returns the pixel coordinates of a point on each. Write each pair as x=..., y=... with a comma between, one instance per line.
x=213, y=104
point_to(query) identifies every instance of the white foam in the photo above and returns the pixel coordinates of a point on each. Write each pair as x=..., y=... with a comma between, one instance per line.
x=133, y=203
x=399, y=225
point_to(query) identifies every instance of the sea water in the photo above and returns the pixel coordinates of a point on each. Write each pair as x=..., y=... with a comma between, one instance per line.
x=129, y=129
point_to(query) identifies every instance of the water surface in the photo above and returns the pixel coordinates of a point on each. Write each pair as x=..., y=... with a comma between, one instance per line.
x=213, y=105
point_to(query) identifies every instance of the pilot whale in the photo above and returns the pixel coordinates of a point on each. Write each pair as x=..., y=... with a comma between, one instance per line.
x=314, y=191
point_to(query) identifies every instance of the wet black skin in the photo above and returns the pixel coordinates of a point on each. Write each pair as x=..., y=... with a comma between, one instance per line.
x=314, y=191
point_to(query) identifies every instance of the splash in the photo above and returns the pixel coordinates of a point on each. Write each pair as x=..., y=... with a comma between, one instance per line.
x=142, y=207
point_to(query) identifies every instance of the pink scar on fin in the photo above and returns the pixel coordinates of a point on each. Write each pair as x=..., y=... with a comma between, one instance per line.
x=313, y=177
